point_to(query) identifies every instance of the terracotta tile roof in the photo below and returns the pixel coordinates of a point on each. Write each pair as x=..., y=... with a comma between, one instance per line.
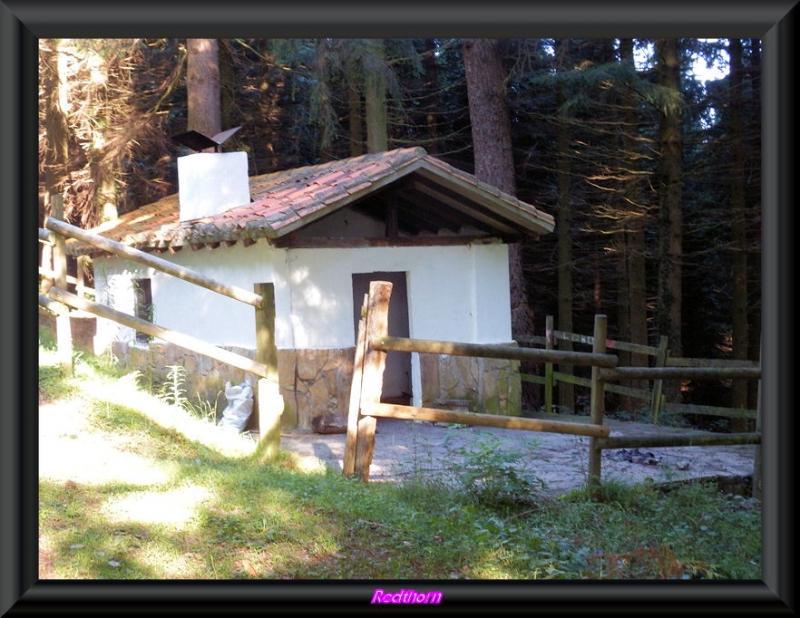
x=287, y=200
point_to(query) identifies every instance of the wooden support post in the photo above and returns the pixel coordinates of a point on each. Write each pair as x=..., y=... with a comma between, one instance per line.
x=658, y=385
x=270, y=401
x=80, y=284
x=349, y=461
x=757, y=462
x=548, y=367
x=47, y=266
x=377, y=325
x=598, y=403
x=63, y=324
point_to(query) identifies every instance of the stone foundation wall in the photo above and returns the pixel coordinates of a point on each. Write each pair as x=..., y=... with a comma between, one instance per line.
x=490, y=385
x=205, y=377
x=315, y=384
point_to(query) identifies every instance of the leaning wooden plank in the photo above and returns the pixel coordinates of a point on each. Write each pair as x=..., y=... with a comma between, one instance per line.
x=185, y=341
x=141, y=257
x=365, y=447
x=377, y=325
x=349, y=461
x=435, y=415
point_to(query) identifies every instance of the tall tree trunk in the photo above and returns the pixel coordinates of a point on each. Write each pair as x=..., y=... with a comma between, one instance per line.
x=493, y=155
x=738, y=229
x=753, y=150
x=203, y=86
x=670, y=204
x=227, y=83
x=56, y=147
x=566, y=391
x=354, y=108
x=632, y=283
x=104, y=167
x=494, y=161
x=432, y=87
x=375, y=95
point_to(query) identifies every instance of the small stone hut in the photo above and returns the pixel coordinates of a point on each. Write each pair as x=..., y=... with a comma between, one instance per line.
x=320, y=234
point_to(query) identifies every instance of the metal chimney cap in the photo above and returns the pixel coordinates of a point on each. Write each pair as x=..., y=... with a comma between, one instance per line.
x=198, y=142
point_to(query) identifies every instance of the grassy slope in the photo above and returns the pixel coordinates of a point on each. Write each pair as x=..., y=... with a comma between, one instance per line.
x=166, y=495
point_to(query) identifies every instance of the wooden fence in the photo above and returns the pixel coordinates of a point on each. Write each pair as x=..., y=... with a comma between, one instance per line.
x=653, y=395
x=374, y=343
x=56, y=297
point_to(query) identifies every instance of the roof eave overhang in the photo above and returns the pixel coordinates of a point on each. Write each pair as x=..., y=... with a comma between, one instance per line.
x=508, y=211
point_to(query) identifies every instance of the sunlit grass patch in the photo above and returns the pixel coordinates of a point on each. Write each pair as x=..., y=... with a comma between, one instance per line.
x=176, y=508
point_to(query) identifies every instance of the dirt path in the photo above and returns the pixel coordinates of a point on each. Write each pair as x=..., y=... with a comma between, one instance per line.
x=70, y=450
x=405, y=447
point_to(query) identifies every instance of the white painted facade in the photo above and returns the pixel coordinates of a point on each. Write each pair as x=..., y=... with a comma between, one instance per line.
x=455, y=293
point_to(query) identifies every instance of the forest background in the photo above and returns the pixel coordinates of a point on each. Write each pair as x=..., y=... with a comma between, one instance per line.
x=653, y=173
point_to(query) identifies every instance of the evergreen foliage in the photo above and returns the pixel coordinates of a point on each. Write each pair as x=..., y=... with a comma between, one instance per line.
x=115, y=104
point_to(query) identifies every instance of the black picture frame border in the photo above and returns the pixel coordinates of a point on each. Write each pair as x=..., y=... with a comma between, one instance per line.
x=23, y=23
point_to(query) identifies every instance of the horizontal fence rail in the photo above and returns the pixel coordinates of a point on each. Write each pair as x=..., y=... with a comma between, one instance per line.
x=637, y=374
x=270, y=403
x=673, y=373
x=49, y=274
x=220, y=354
x=678, y=440
x=374, y=343
x=426, y=346
x=141, y=257
x=435, y=415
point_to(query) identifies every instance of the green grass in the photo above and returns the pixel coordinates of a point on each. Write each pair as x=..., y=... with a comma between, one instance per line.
x=216, y=513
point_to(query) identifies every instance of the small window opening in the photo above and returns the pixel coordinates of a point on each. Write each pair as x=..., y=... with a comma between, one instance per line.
x=143, y=306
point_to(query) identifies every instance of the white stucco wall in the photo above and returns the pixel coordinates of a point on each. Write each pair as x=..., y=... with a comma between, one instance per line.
x=194, y=310
x=455, y=293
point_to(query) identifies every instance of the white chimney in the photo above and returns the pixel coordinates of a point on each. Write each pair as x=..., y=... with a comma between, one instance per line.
x=210, y=183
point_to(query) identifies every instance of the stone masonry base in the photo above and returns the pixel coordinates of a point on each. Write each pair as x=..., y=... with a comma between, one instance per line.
x=315, y=384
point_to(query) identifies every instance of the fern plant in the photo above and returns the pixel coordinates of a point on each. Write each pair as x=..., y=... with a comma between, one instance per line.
x=173, y=391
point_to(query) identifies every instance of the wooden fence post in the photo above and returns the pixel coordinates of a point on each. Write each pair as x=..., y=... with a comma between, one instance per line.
x=598, y=403
x=756, y=489
x=658, y=385
x=377, y=325
x=548, y=367
x=349, y=460
x=63, y=323
x=47, y=266
x=270, y=401
x=80, y=284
